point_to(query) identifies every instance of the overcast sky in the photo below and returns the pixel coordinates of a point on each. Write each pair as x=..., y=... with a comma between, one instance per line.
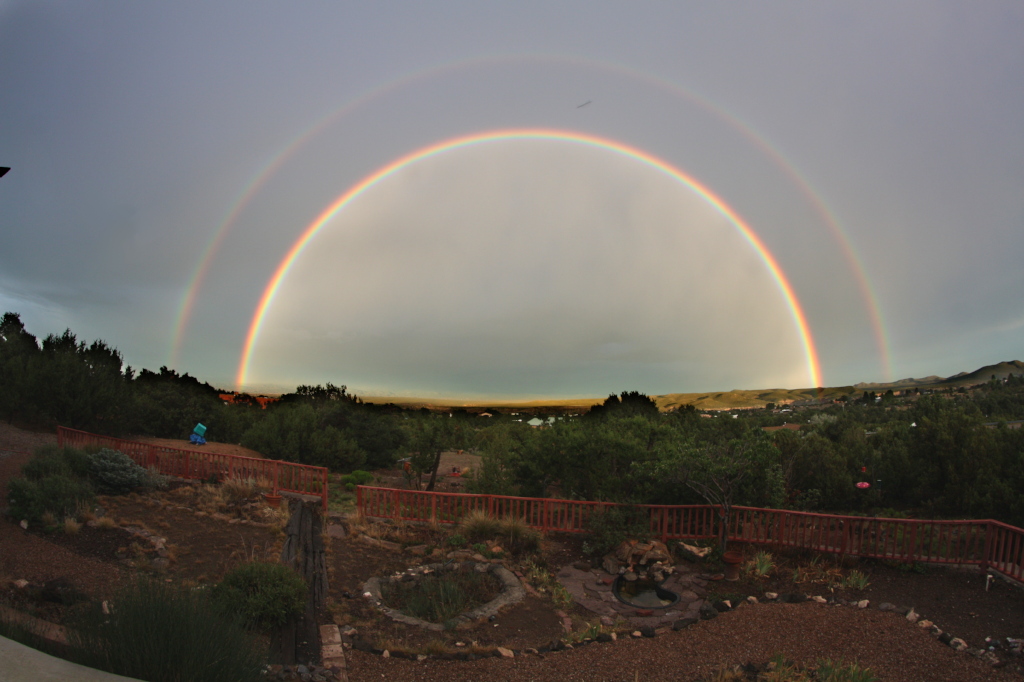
x=167, y=155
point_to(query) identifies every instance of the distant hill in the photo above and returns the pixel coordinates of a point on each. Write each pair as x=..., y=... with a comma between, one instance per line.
x=1000, y=370
x=726, y=400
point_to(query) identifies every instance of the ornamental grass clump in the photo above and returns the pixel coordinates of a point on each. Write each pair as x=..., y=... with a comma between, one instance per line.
x=162, y=633
x=440, y=597
x=517, y=535
x=478, y=525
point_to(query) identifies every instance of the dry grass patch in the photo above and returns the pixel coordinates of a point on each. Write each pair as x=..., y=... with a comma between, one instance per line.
x=71, y=526
x=106, y=523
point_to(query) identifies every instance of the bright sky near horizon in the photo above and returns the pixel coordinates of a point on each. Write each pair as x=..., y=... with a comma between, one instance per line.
x=169, y=157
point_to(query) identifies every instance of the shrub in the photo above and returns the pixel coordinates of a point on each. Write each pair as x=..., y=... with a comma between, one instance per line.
x=59, y=495
x=357, y=477
x=162, y=633
x=71, y=526
x=610, y=527
x=51, y=460
x=115, y=473
x=264, y=594
x=477, y=526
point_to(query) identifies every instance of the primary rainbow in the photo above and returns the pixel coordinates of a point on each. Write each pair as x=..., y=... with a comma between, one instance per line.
x=800, y=319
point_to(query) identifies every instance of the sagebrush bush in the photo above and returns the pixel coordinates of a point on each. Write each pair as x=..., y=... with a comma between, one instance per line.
x=264, y=594
x=115, y=473
x=162, y=633
x=59, y=495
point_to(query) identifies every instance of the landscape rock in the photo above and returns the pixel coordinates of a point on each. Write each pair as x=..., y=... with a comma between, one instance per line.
x=819, y=599
x=683, y=623
x=647, y=631
x=505, y=653
x=707, y=612
x=958, y=644
x=751, y=599
x=21, y=583
x=863, y=604
x=605, y=637
x=912, y=616
x=924, y=624
x=769, y=596
x=886, y=606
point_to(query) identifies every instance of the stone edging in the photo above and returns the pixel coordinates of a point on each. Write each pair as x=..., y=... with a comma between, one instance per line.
x=511, y=593
x=350, y=638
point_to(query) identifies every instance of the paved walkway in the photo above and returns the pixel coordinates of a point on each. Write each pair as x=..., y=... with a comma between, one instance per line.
x=593, y=590
x=19, y=663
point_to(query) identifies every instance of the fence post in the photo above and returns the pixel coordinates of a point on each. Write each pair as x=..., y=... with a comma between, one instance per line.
x=277, y=468
x=188, y=465
x=324, y=493
x=986, y=556
x=394, y=502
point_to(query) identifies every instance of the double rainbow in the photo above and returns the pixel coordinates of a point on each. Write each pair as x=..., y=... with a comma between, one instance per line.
x=799, y=318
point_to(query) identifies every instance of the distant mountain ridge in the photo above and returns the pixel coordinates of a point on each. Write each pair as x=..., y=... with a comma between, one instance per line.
x=999, y=370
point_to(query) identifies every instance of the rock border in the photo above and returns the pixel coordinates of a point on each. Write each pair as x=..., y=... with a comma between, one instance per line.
x=350, y=638
x=512, y=592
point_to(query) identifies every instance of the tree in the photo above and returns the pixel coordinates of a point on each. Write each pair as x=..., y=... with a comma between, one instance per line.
x=718, y=471
x=431, y=435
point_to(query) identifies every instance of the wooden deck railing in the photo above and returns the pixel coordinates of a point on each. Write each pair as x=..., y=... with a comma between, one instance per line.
x=283, y=476
x=989, y=544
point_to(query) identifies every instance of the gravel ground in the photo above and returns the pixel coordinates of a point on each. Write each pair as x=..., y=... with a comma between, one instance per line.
x=893, y=648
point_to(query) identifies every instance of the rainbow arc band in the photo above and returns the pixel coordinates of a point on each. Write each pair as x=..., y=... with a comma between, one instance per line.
x=799, y=318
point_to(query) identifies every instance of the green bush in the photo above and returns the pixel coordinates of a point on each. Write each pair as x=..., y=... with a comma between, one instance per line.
x=51, y=460
x=115, y=473
x=161, y=633
x=60, y=495
x=264, y=594
x=357, y=477
x=610, y=527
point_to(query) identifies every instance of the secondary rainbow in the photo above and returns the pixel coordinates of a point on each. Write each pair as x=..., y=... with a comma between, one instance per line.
x=799, y=318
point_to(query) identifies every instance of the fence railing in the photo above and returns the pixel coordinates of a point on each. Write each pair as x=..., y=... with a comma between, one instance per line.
x=987, y=543
x=282, y=476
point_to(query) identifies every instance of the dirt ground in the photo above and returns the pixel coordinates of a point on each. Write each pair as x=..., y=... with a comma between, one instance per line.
x=210, y=446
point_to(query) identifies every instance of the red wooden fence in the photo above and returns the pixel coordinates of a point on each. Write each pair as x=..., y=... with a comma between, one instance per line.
x=283, y=476
x=987, y=543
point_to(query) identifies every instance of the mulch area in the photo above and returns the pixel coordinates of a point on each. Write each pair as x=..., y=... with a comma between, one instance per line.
x=954, y=599
x=893, y=648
